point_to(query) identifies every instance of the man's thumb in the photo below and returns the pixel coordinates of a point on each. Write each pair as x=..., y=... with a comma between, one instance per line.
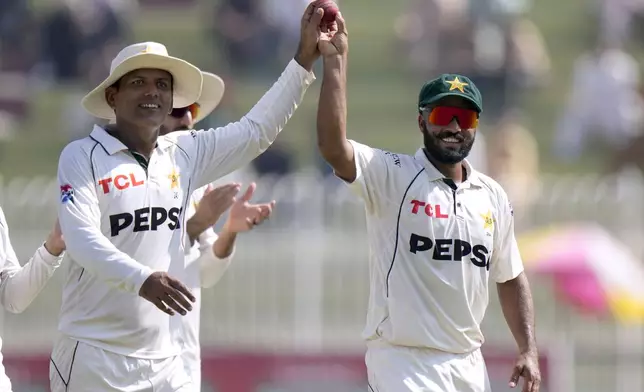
x=316, y=19
x=516, y=373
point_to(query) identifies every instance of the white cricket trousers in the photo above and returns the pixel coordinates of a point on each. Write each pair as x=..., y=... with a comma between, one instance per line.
x=79, y=367
x=193, y=369
x=406, y=369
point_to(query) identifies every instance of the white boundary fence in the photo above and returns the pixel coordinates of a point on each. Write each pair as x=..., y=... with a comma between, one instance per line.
x=300, y=281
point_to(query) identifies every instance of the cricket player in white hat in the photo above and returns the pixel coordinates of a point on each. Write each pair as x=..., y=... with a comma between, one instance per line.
x=209, y=254
x=124, y=194
x=19, y=285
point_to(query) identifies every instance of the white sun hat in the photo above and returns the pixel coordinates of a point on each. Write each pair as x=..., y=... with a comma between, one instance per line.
x=187, y=78
x=211, y=94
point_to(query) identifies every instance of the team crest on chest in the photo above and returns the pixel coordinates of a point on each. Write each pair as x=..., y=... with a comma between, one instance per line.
x=488, y=221
x=174, y=182
x=174, y=179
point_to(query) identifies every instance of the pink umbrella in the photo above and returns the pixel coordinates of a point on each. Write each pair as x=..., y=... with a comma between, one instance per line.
x=590, y=269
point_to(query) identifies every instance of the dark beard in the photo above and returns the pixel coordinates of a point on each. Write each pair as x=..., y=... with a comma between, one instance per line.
x=448, y=156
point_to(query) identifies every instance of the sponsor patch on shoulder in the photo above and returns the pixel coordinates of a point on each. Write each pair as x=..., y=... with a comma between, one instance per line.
x=511, y=209
x=193, y=133
x=66, y=193
x=394, y=157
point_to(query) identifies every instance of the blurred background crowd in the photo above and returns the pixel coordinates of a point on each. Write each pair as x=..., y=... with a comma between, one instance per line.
x=562, y=131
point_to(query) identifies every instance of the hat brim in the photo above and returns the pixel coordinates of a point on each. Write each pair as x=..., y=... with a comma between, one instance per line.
x=438, y=97
x=212, y=92
x=186, y=78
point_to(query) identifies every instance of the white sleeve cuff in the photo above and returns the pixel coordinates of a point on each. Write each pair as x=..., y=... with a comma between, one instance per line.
x=212, y=268
x=140, y=277
x=48, y=258
x=295, y=67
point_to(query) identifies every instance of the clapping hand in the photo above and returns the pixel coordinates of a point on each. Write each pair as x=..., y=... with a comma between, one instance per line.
x=244, y=216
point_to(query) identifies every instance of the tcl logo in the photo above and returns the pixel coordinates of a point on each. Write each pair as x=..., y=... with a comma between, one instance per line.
x=431, y=210
x=145, y=219
x=119, y=182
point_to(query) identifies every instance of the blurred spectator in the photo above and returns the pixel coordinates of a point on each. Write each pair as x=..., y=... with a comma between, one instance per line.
x=8, y=128
x=80, y=37
x=604, y=102
x=246, y=39
x=490, y=9
x=18, y=42
x=436, y=34
x=510, y=56
x=276, y=161
x=484, y=39
x=631, y=155
x=513, y=160
x=530, y=63
x=167, y=3
x=75, y=36
x=286, y=24
x=621, y=19
x=18, y=52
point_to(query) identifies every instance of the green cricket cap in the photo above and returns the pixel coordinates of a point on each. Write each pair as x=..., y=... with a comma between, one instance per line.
x=450, y=85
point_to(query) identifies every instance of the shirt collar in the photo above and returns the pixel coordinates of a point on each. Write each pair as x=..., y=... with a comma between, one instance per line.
x=112, y=145
x=435, y=175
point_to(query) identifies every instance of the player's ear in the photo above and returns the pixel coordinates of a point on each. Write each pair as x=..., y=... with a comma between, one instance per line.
x=110, y=93
x=421, y=122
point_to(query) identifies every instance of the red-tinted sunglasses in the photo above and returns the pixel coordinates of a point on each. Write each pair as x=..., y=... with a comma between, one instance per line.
x=444, y=115
x=180, y=112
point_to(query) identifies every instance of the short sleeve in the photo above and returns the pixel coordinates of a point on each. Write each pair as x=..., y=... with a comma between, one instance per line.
x=372, y=173
x=506, y=261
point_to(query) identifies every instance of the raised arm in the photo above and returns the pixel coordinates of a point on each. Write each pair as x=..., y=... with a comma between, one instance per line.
x=20, y=285
x=332, y=106
x=221, y=151
x=365, y=169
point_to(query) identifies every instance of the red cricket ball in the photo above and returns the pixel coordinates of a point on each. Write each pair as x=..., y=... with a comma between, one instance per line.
x=330, y=10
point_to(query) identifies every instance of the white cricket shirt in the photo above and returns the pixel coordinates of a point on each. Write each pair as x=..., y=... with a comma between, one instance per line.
x=122, y=218
x=19, y=286
x=433, y=248
x=203, y=269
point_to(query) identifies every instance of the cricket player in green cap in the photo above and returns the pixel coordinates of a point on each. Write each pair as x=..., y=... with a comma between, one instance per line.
x=438, y=231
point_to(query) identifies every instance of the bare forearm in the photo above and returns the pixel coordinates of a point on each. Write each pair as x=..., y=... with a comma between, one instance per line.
x=518, y=309
x=194, y=228
x=332, y=113
x=225, y=244
x=55, y=248
x=306, y=61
